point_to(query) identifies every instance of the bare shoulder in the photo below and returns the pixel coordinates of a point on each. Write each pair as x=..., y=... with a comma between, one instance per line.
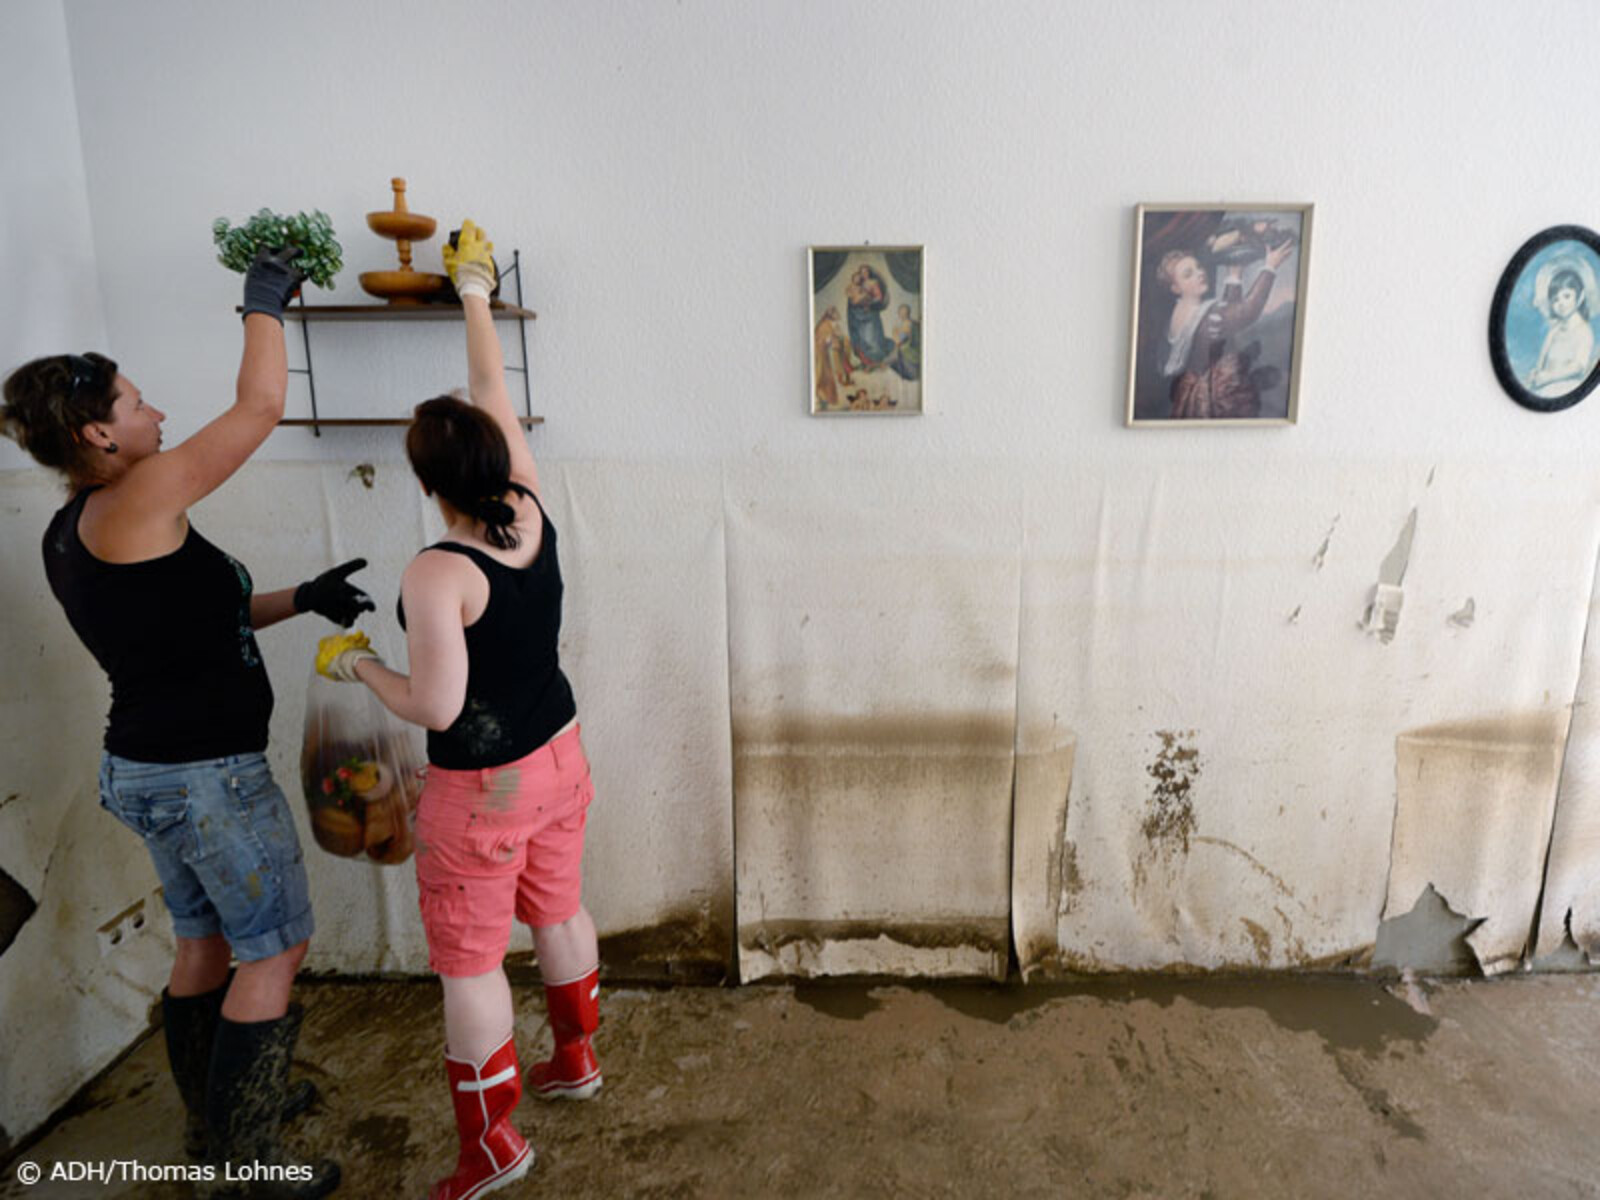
x=438, y=575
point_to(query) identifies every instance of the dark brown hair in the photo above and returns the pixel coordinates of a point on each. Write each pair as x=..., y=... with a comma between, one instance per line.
x=459, y=454
x=48, y=400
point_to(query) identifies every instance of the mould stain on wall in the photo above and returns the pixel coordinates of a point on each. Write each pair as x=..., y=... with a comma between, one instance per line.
x=1169, y=810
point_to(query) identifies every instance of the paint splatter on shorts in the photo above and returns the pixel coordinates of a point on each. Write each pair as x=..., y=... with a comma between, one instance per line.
x=224, y=844
x=499, y=843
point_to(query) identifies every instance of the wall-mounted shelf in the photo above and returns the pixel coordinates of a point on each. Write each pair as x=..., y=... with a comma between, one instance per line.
x=308, y=314
x=527, y=422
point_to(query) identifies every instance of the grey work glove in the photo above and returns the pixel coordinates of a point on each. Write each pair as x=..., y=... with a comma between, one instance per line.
x=272, y=281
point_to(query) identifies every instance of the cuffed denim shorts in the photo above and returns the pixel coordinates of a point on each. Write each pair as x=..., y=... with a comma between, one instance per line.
x=224, y=844
x=499, y=842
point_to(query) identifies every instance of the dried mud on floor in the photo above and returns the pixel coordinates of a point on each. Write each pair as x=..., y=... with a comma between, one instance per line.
x=1264, y=1087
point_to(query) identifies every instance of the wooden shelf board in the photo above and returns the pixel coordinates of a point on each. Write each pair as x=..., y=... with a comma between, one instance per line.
x=526, y=422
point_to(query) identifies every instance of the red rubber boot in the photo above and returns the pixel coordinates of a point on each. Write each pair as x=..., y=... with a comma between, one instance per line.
x=493, y=1154
x=571, y=1073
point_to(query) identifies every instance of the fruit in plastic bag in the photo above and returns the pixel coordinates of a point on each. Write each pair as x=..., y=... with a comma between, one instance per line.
x=359, y=773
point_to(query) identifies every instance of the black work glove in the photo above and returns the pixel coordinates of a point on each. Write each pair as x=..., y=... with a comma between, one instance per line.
x=271, y=281
x=329, y=595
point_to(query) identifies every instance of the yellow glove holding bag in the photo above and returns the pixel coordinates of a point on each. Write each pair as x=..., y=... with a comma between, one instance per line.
x=338, y=654
x=469, y=257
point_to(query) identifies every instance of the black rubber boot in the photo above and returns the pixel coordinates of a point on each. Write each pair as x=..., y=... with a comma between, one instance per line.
x=244, y=1108
x=190, y=1026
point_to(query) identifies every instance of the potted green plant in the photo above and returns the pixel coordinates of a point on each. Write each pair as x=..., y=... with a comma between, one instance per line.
x=321, y=256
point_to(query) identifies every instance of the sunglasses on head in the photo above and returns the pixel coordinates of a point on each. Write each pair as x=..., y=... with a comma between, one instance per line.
x=84, y=372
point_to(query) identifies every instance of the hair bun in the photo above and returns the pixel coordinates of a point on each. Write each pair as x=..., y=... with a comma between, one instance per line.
x=493, y=510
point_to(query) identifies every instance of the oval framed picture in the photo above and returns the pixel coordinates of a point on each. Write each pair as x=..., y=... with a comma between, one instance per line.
x=1543, y=324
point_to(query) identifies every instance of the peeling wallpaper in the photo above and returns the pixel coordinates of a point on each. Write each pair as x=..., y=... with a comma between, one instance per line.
x=904, y=696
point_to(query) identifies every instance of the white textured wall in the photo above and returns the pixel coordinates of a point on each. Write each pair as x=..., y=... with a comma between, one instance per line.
x=46, y=248
x=760, y=599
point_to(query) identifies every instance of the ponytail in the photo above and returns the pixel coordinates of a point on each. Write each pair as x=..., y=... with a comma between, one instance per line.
x=497, y=517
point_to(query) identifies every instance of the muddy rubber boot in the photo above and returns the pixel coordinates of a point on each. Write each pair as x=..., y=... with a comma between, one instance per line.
x=572, y=1072
x=493, y=1153
x=244, y=1108
x=190, y=1026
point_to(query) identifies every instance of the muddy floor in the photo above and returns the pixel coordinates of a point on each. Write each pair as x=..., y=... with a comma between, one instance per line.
x=1265, y=1087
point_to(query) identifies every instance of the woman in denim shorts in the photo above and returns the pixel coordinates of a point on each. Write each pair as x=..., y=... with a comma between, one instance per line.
x=501, y=819
x=172, y=620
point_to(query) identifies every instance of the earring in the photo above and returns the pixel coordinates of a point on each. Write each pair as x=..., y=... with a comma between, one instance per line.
x=111, y=448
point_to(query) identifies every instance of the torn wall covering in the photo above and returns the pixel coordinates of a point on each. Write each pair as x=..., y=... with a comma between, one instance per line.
x=1478, y=762
x=1571, y=899
x=1233, y=793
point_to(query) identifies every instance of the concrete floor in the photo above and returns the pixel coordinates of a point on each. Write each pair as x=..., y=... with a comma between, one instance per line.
x=1261, y=1087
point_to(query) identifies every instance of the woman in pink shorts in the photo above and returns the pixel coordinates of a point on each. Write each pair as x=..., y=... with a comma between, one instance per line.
x=501, y=819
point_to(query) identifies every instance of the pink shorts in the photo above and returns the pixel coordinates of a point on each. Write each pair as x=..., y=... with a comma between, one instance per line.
x=497, y=843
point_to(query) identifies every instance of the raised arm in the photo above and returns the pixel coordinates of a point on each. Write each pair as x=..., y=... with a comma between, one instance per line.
x=167, y=484
x=471, y=266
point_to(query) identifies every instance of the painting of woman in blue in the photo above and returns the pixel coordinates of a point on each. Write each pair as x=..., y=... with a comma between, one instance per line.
x=868, y=296
x=858, y=365
x=1560, y=286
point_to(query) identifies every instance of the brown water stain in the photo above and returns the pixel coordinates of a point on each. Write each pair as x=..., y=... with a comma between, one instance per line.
x=1260, y=938
x=882, y=732
x=1351, y=1017
x=1071, y=877
x=991, y=936
x=687, y=945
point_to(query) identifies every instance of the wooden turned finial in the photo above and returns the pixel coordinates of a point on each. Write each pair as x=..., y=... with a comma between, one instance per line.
x=401, y=244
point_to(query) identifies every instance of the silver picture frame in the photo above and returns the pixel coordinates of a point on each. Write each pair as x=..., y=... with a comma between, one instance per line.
x=867, y=307
x=1217, y=330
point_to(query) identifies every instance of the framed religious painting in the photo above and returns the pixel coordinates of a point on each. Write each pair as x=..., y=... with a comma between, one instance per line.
x=1219, y=312
x=867, y=307
x=1542, y=322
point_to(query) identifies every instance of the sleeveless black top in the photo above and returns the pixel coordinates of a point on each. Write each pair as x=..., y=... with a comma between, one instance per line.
x=174, y=635
x=517, y=697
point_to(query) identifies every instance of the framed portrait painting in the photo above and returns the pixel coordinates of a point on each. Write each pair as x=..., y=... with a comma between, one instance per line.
x=867, y=308
x=1542, y=322
x=1218, y=313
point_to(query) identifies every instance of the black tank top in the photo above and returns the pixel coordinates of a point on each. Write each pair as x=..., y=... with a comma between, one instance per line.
x=174, y=635
x=517, y=697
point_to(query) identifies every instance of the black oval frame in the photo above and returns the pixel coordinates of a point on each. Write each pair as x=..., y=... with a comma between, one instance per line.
x=1497, y=320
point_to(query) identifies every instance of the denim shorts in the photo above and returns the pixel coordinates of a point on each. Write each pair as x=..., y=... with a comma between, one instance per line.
x=224, y=844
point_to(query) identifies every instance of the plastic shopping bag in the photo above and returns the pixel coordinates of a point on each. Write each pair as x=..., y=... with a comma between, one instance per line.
x=360, y=771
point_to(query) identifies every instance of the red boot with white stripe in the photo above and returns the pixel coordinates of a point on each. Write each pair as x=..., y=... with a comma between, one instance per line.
x=571, y=1073
x=493, y=1154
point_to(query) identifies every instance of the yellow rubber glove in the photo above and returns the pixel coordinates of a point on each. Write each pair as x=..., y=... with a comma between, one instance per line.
x=338, y=654
x=471, y=262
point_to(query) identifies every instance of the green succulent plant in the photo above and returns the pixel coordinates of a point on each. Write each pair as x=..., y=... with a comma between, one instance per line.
x=320, y=253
